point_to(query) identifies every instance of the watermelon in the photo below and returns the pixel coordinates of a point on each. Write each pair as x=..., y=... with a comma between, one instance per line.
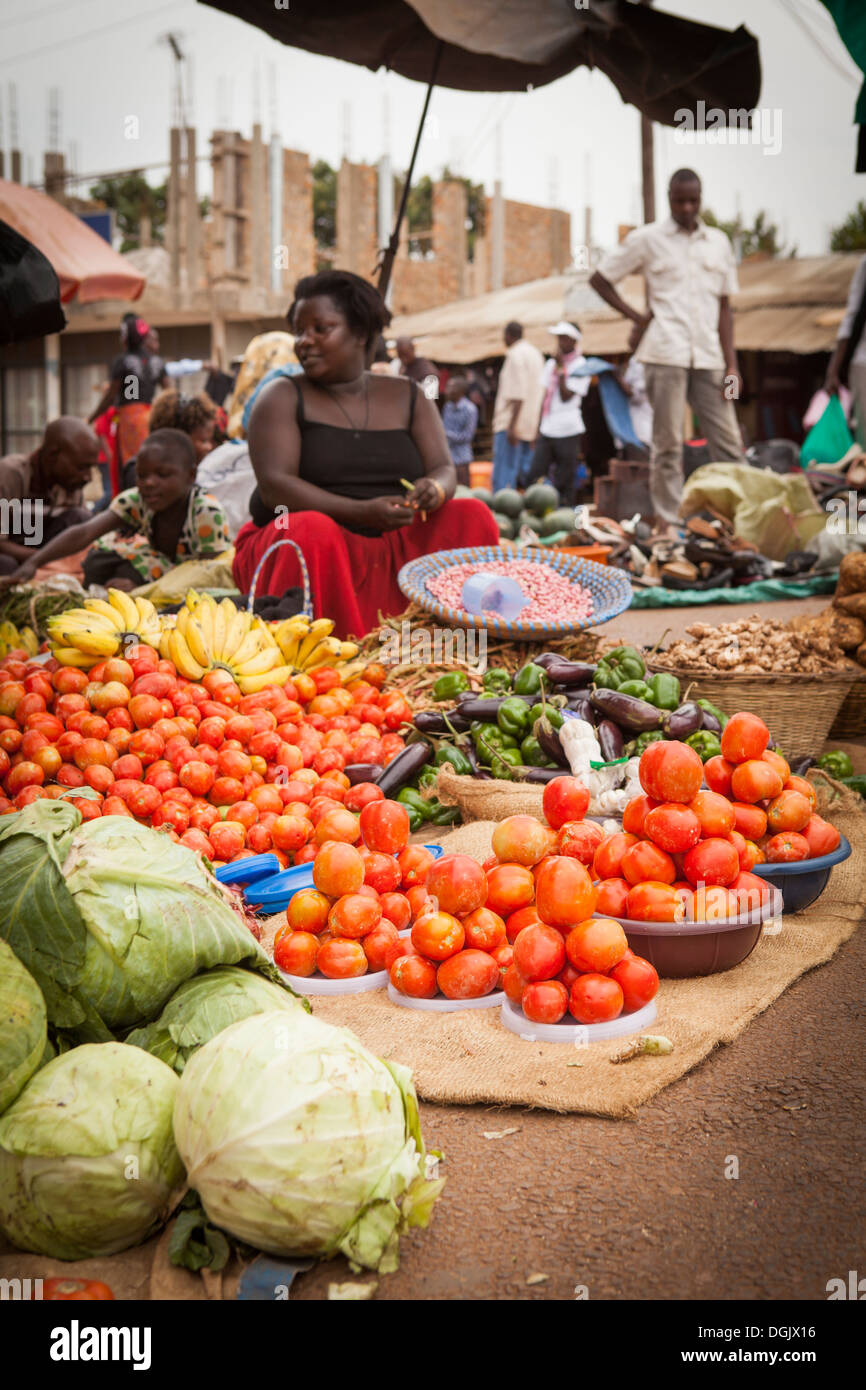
x=508, y=501
x=560, y=520
x=507, y=528
x=462, y=491
x=483, y=494
x=540, y=499
x=534, y=523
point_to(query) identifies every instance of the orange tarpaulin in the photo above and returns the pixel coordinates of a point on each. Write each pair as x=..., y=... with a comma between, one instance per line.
x=87, y=267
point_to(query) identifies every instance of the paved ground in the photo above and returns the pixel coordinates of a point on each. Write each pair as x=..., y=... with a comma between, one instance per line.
x=642, y=1209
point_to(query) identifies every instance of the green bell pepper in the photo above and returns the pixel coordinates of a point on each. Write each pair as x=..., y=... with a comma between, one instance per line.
x=837, y=763
x=532, y=752
x=449, y=686
x=550, y=712
x=664, y=691
x=626, y=663
x=428, y=778
x=504, y=761
x=414, y=801
x=457, y=759
x=530, y=680
x=605, y=677
x=443, y=815
x=496, y=681
x=491, y=741
x=707, y=745
x=637, y=745
x=513, y=718
x=714, y=711
x=639, y=690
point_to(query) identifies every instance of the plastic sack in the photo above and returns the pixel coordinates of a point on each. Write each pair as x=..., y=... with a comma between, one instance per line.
x=173, y=586
x=830, y=439
x=818, y=405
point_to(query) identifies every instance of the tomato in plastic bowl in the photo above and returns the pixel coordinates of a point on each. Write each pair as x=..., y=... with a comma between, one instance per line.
x=802, y=883
x=679, y=950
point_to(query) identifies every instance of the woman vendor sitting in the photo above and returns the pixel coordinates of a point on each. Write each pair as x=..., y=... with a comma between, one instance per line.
x=330, y=449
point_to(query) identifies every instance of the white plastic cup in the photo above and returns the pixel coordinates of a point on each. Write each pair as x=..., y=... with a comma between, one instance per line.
x=493, y=593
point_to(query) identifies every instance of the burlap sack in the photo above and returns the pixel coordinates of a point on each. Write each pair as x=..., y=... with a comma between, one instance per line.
x=487, y=800
x=469, y=1057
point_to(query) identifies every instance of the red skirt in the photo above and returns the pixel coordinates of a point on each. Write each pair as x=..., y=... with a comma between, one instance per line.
x=354, y=578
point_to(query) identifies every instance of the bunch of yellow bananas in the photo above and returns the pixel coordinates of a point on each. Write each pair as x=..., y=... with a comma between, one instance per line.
x=307, y=643
x=13, y=639
x=100, y=629
x=207, y=636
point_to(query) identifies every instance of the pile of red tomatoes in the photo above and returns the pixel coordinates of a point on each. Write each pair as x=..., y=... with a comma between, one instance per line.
x=227, y=774
x=686, y=853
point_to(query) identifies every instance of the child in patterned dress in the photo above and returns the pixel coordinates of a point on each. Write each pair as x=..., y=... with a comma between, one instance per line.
x=149, y=528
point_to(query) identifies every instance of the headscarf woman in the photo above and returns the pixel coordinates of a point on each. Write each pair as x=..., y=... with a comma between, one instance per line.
x=131, y=388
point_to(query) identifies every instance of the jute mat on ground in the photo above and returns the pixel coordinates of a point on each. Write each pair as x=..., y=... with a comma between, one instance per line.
x=469, y=1057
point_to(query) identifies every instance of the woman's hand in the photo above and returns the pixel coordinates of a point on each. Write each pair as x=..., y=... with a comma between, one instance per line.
x=427, y=495
x=387, y=513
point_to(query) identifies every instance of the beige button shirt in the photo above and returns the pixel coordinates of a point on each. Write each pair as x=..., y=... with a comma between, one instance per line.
x=686, y=275
x=520, y=380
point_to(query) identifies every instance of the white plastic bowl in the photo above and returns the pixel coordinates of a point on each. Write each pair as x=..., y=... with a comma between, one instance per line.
x=578, y=1034
x=445, y=1006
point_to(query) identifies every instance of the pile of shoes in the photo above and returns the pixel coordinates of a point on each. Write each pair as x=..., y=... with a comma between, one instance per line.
x=711, y=556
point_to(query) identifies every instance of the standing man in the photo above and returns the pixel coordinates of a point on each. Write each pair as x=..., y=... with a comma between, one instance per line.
x=847, y=366
x=515, y=413
x=561, y=429
x=416, y=368
x=686, y=337
x=460, y=419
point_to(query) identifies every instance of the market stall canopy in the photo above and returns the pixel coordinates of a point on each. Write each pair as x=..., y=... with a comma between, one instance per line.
x=787, y=305
x=660, y=63
x=87, y=267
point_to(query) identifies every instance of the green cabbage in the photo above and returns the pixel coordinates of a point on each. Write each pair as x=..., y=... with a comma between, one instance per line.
x=203, y=1007
x=88, y=1163
x=111, y=917
x=23, y=1035
x=301, y=1142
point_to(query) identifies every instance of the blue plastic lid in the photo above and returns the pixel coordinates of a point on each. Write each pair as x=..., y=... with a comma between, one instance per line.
x=249, y=870
x=274, y=894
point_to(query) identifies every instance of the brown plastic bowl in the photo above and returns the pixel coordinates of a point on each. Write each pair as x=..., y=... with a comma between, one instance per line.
x=679, y=950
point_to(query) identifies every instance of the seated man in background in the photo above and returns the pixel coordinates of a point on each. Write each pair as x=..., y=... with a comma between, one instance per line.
x=41, y=493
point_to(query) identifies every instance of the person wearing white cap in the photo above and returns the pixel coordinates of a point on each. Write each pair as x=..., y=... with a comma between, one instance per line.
x=560, y=429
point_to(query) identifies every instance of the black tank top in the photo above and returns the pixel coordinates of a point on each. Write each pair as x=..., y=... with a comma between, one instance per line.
x=352, y=463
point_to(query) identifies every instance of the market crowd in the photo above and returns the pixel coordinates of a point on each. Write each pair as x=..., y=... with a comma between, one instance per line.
x=323, y=446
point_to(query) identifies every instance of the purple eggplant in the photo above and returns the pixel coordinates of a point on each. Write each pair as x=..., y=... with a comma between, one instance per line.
x=563, y=672
x=686, y=719
x=536, y=774
x=799, y=769
x=637, y=716
x=404, y=767
x=363, y=772
x=472, y=707
x=550, y=742
x=435, y=721
x=583, y=709
x=610, y=740
x=710, y=723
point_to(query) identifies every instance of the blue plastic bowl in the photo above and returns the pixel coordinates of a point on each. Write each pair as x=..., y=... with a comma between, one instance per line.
x=800, y=884
x=274, y=894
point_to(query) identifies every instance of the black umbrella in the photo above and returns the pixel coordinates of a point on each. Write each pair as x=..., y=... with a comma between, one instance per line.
x=658, y=62
x=29, y=290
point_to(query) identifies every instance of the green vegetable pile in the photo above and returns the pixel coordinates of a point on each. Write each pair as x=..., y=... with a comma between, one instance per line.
x=118, y=946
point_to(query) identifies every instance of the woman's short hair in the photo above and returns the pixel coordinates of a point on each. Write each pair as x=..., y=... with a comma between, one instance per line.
x=359, y=302
x=174, y=411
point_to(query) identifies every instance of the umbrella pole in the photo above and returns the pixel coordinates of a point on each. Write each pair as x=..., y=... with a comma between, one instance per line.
x=387, y=264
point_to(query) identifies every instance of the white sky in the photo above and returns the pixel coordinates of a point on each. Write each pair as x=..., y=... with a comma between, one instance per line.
x=571, y=142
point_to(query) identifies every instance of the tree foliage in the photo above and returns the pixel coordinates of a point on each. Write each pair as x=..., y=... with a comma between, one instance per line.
x=419, y=209
x=850, y=235
x=762, y=236
x=324, y=204
x=131, y=197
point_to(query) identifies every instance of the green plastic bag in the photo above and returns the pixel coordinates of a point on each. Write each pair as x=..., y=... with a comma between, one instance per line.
x=830, y=439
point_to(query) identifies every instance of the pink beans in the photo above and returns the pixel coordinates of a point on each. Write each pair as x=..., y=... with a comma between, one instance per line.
x=551, y=598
